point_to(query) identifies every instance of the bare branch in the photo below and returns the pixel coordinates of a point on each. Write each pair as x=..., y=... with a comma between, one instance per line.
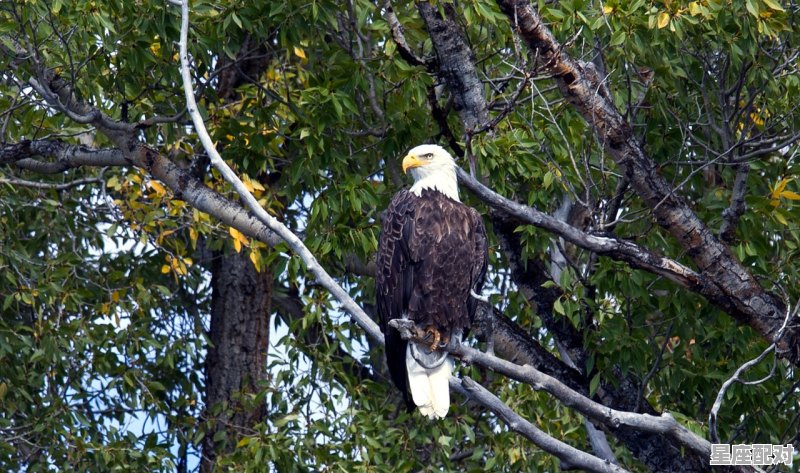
x=566, y=453
x=663, y=424
x=313, y=266
x=622, y=250
x=399, y=38
x=736, y=378
x=50, y=185
x=732, y=214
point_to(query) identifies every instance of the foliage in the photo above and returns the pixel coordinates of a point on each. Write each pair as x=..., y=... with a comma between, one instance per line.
x=104, y=296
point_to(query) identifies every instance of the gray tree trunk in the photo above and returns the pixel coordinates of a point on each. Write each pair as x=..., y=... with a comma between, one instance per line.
x=237, y=357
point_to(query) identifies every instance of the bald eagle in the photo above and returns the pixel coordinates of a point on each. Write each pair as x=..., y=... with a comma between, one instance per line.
x=432, y=253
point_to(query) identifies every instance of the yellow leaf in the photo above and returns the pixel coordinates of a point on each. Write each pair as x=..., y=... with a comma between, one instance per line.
x=247, y=185
x=663, y=19
x=254, y=260
x=165, y=269
x=607, y=10
x=155, y=48
x=790, y=195
x=779, y=187
x=193, y=237
x=164, y=234
x=156, y=186
x=298, y=51
x=229, y=137
x=115, y=296
x=694, y=8
x=239, y=240
x=253, y=183
x=774, y=202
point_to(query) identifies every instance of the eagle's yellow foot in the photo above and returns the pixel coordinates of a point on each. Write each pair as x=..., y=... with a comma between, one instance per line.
x=437, y=336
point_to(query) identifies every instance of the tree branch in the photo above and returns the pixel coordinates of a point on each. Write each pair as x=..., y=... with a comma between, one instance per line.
x=50, y=185
x=67, y=156
x=726, y=282
x=712, y=416
x=663, y=424
x=399, y=38
x=455, y=64
x=732, y=214
x=313, y=266
x=566, y=453
x=622, y=250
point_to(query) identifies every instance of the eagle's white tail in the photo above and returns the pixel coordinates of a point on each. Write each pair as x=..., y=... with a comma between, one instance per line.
x=430, y=388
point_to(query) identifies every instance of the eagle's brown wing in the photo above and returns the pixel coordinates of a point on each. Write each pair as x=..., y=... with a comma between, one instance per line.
x=431, y=252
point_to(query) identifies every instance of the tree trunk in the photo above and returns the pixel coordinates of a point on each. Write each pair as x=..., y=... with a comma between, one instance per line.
x=237, y=357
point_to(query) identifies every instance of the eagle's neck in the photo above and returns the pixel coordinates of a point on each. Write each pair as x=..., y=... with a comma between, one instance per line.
x=444, y=181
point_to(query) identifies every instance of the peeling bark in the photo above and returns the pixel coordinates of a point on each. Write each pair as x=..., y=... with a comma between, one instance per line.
x=740, y=295
x=456, y=64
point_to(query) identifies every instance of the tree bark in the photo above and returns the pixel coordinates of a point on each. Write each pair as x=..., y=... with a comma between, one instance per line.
x=456, y=64
x=241, y=299
x=237, y=357
x=456, y=67
x=734, y=289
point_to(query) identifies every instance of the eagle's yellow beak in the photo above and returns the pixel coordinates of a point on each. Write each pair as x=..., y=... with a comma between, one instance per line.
x=411, y=161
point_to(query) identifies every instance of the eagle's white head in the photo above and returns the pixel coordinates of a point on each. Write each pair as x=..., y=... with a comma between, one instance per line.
x=432, y=167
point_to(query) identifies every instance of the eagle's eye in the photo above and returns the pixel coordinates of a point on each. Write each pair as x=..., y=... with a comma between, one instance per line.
x=427, y=156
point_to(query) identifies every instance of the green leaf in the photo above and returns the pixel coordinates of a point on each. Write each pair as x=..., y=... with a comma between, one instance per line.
x=559, y=307
x=618, y=38
x=774, y=5
x=593, y=384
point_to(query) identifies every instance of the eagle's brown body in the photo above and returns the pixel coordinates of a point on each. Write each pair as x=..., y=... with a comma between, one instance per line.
x=432, y=252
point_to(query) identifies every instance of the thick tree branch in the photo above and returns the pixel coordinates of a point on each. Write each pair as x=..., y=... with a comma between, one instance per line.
x=456, y=64
x=512, y=342
x=66, y=156
x=663, y=424
x=735, y=290
x=313, y=266
x=622, y=250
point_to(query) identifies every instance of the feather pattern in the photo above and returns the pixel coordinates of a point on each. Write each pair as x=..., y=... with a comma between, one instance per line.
x=432, y=252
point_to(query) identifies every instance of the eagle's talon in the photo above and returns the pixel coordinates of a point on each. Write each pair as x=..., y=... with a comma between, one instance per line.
x=431, y=331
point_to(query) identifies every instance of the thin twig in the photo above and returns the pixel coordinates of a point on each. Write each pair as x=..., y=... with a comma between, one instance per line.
x=48, y=185
x=712, y=416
